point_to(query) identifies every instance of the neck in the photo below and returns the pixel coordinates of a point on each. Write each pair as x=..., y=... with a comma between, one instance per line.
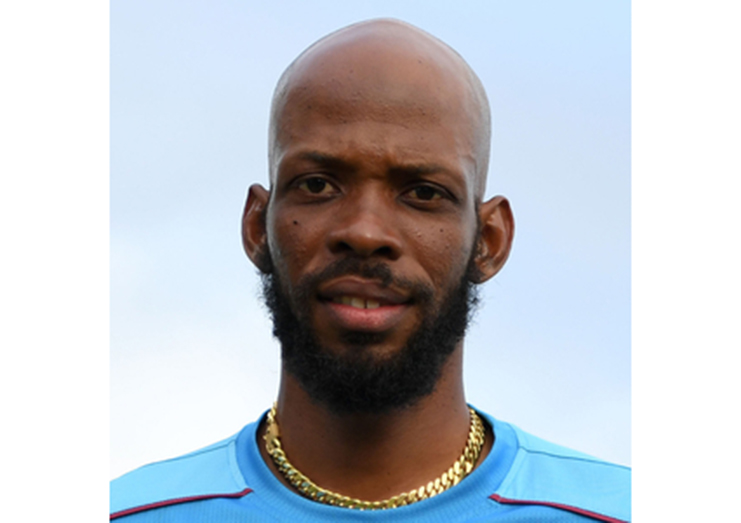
x=375, y=456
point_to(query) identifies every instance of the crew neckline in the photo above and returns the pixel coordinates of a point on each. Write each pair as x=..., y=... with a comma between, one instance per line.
x=473, y=490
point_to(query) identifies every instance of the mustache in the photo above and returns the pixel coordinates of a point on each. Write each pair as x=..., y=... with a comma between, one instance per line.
x=308, y=285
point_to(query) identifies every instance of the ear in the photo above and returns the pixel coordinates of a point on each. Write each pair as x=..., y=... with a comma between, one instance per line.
x=495, y=239
x=254, y=229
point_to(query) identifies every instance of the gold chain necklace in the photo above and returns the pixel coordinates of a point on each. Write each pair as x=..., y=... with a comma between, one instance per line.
x=459, y=470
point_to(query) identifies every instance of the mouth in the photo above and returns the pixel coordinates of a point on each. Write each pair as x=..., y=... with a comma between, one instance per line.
x=354, y=304
x=357, y=302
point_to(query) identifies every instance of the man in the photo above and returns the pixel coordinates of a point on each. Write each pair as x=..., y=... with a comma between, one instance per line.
x=371, y=242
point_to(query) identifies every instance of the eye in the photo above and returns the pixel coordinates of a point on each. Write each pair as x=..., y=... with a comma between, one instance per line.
x=425, y=193
x=316, y=185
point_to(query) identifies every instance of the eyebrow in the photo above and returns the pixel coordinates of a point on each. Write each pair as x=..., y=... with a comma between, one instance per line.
x=325, y=160
x=339, y=163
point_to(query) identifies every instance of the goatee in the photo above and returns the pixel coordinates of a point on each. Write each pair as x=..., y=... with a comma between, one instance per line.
x=358, y=381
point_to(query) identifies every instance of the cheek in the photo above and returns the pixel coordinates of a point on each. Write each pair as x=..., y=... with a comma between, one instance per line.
x=292, y=243
x=285, y=241
x=445, y=255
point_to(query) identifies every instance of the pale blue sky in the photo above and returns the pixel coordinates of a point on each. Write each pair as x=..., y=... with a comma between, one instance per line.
x=192, y=359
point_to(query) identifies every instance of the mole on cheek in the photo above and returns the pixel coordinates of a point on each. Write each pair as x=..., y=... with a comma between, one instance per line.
x=295, y=222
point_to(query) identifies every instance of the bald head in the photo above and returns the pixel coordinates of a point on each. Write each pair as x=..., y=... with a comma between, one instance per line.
x=389, y=69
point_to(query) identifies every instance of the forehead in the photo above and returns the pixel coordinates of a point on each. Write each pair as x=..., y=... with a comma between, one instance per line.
x=372, y=80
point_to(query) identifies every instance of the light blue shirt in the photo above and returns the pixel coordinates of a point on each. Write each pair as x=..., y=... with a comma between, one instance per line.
x=523, y=479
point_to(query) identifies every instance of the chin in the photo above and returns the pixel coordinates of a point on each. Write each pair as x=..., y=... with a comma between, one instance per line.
x=368, y=371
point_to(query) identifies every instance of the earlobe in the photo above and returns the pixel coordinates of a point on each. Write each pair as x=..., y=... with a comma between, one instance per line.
x=254, y=229
x=495, y=237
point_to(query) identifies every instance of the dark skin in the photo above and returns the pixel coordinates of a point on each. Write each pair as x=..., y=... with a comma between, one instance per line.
x=377, y=153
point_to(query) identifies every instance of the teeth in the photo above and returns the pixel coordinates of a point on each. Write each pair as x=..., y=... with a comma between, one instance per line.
x=358, y=303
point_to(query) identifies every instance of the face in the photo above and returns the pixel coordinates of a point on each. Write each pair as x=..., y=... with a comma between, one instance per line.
x=369, y=232
x=386, y=187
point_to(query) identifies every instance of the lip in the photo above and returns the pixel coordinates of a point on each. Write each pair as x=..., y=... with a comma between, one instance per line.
x=364, y=289
x=390, y=307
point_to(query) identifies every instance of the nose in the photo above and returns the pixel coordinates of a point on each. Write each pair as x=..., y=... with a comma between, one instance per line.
x=366, y=228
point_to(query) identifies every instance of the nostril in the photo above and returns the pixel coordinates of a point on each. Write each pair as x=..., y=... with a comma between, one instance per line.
x=384, y=251
x=343, y=246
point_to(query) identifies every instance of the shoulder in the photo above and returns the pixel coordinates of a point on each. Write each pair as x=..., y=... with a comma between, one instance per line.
x=211, y=472
x=543, y=473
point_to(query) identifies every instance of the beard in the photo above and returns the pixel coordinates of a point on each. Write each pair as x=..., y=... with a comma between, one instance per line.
x=358, y=381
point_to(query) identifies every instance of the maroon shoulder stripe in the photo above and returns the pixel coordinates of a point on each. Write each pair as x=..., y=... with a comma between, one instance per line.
x=598, y=517
x=176, y=501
